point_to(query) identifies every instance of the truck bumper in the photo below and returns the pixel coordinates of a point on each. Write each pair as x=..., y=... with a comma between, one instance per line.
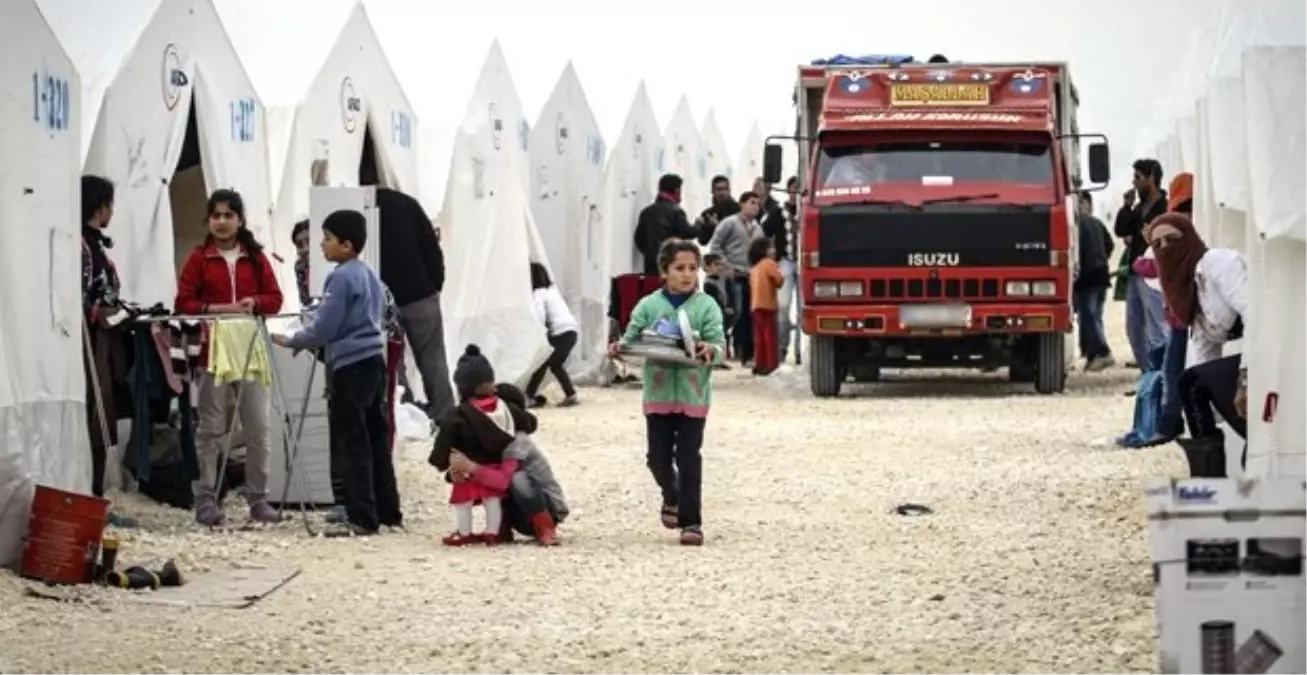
x=869, y=320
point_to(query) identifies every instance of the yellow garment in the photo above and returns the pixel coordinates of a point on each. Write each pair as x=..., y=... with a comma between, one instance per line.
x=230, y=342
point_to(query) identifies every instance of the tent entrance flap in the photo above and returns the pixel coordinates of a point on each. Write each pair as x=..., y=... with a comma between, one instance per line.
x=187, y=195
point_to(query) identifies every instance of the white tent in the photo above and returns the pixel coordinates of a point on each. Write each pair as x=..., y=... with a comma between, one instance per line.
x=338, y=94
x=177, y=119
x=42, y=389
x=1275, y=101
x=748, y=164
x=717, y=159
x=684, y=156
x=567, y=152
x=489, y=234
x=631, y=181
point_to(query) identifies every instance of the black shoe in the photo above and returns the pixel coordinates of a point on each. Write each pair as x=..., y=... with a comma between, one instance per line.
x=1206, y=455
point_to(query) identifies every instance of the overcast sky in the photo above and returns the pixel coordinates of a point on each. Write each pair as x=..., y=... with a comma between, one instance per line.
x=1138, y=65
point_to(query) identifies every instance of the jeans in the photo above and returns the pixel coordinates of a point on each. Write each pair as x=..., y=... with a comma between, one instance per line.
x=360, y=451
x=743, y=334
x=1145, y=320
x=523, y=501
x=789, y=299
x=1089, y=305
x=675, y=461
x=1208, y=390
x=562, y=345
x=1171, y=422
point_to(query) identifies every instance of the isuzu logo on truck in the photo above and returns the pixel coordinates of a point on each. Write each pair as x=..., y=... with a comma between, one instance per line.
x=933, y=259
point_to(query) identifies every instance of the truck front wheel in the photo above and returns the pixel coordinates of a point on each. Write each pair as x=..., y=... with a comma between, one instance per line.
x=1050, y=363
x=824, y=373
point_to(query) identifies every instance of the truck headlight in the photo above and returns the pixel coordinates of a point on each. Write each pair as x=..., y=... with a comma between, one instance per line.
x=1043, y=289
x=850, y=289
x=1017, y=288
x=826, y=289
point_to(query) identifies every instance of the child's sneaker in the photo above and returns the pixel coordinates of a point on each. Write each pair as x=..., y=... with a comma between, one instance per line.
x=669, y=516
x=692, y=536
x=459, y=539
x=570, y=401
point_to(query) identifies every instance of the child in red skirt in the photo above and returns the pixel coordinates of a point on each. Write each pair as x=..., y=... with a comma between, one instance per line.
x=480, y=427
x=765, y=280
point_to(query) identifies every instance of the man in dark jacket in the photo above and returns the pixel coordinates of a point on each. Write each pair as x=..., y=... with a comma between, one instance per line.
x=1091, y=284
x=662, y=220
x=413, y=268
x=1145, y=319
x=723, y=206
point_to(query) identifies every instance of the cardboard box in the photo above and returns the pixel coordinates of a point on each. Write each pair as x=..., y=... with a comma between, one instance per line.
x=1228, y=569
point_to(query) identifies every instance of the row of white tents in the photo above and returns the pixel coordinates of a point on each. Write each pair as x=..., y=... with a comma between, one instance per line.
x=1237, y=120
x=156, y=96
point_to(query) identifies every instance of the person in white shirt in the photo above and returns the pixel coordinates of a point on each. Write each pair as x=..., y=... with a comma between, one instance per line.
x=1207, y=290
x=561, y=327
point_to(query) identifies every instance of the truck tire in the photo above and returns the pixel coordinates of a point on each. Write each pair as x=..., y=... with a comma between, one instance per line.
x=1050, y=363
x=824, y=373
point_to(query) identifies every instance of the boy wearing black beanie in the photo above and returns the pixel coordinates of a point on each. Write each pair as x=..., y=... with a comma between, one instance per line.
x=348, y=323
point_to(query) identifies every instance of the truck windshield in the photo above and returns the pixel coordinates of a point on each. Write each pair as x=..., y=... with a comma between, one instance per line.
x=919, y=162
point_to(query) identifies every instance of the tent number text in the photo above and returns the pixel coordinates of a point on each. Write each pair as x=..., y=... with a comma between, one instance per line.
x=242, y=120
x=401, y=129
x=52, y=106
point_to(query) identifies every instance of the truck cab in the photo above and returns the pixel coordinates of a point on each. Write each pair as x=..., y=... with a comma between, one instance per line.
x=938, y=218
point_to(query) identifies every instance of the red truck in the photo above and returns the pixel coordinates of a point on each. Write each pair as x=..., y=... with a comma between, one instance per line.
x=938, y=217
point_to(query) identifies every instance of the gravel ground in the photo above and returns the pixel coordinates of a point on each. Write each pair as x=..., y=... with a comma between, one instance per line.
x=1036, y=558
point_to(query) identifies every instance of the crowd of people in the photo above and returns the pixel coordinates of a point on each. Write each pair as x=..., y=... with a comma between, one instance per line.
x=357, y=329
x=751, y=243
x=1184, y=303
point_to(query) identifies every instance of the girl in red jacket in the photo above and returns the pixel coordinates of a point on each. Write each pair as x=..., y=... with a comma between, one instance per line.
x=229, y=274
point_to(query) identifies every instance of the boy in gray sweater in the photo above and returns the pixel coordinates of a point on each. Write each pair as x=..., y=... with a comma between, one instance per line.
x=348, y=324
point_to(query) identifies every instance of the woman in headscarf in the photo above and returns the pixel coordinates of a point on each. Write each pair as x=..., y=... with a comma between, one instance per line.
x=1207, y=291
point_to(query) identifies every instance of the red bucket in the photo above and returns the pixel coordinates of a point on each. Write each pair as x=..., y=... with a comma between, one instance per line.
x=63, y=536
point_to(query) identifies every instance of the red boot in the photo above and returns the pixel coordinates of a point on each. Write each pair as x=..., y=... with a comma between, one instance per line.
x=546, y=532
x=490, y=539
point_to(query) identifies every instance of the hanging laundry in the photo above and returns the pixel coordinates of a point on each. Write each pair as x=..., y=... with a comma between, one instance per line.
x=232, y=344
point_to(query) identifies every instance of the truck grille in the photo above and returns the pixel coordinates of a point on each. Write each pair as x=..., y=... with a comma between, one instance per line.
x=949, y=235
x=971, y=288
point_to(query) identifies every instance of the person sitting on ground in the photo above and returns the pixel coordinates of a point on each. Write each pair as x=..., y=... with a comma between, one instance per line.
x=533, y=503
x=1207, y=289
x=561, y=331
x=481, y=427
x=765, y=282
x=348, y=325
x=676, y=397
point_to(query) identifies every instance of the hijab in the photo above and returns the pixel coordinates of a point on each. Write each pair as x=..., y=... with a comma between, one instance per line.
x=1181, y=191
x=1178, y=249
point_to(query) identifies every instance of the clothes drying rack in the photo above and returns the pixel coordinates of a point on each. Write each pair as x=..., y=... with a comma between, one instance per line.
x=291, y=434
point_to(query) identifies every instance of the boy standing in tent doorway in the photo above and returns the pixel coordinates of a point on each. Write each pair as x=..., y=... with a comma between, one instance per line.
x=413, y=268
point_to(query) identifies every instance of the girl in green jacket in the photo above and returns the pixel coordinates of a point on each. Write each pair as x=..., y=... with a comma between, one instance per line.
x=676, y=397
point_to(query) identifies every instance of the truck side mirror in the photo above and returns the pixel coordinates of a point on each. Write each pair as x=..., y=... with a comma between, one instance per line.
x=771, y=163
x=1100, y=163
